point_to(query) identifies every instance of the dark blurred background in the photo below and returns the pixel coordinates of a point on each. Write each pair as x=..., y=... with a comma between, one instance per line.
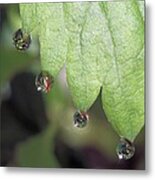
x=37, y=129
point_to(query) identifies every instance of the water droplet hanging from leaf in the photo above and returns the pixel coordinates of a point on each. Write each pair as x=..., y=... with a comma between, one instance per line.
x=125, y=149
x=80, y=119
x=21, y=40
x=44, y=82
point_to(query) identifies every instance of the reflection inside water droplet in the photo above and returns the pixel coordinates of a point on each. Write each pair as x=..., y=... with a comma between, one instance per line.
x=44, y=82
x=80, y=119
x=125, y=149
x=21, y=40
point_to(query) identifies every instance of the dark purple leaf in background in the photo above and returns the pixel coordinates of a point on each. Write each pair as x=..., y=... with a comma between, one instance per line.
x=22, y=115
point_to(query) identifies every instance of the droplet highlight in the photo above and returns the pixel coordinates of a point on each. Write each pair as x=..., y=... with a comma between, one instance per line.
x=125, y=149
x=44, y=82
x=21, y=40
x=80, y=119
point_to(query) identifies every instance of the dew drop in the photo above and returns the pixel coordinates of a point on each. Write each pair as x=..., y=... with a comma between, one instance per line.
x=21, y=40
x=44, y=82
x=80, y=119
x=125, y=149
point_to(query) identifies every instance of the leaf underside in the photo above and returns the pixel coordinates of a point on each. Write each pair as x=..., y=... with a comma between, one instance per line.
x=102, y=46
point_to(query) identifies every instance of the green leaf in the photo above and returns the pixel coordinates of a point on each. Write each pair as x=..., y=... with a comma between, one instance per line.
x=28, y=16
x=85, y=55
x=102, y=45
x=52, y=36
x=123, y=87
